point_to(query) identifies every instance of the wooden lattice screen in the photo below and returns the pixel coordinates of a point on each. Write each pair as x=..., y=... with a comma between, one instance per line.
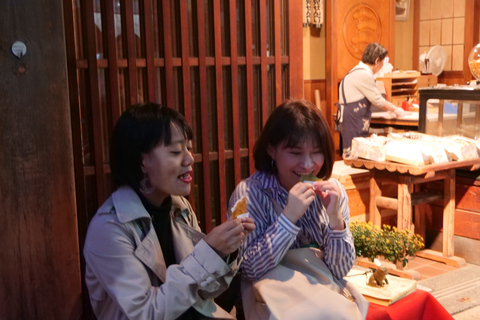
x=224, y=64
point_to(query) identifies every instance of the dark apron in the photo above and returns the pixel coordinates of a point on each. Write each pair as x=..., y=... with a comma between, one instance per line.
x=353, y=120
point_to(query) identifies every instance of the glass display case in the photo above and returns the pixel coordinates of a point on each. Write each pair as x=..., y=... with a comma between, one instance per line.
x=450, y=110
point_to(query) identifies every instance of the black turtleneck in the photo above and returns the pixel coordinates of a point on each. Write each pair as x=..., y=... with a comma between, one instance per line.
x=162, y=225
x=161, y=221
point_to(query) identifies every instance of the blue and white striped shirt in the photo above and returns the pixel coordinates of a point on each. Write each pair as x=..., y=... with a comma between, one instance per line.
x=275, y=234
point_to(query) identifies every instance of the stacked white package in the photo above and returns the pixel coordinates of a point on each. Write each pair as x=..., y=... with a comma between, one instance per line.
x=470, y=148
x=372, y=148
x=459, y=149
x=406, y=152
x=416, y=149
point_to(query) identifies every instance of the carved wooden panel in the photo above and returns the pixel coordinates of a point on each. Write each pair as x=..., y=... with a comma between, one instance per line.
x=361, y=27
x=354, y=25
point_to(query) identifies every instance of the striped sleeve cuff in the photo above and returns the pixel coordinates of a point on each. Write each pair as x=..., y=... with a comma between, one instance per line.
x=338, y=234
x=288, y=225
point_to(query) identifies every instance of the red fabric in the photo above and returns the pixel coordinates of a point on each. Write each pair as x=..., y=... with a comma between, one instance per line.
x=419, y=305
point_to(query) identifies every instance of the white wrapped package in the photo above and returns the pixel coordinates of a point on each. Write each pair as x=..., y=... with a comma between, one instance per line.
x=406, y=152
x=416, y=151
x=372, y=148
x=461, y=148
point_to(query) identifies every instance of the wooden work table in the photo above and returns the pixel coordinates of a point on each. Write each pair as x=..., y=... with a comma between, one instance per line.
x=409, y=122
x=408, y=179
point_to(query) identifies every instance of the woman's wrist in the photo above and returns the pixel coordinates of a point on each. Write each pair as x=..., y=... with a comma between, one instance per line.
x=336, y=223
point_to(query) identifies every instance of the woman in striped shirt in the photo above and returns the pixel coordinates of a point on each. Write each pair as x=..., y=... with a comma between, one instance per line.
x=289, y=214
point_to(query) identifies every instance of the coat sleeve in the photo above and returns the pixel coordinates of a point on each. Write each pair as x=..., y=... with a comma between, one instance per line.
x=116, y=276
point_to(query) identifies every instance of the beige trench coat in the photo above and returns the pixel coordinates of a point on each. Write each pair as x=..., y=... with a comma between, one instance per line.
x=126, y=273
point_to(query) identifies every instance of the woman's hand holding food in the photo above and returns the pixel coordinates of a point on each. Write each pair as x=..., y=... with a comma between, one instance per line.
x=330, y=195
x=299, y=198
x=229, y=236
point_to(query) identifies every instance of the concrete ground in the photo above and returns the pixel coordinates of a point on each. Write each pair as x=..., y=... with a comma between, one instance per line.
x=470, y=314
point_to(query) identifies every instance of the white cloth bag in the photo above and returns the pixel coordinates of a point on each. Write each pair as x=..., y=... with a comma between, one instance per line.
x=302, y=287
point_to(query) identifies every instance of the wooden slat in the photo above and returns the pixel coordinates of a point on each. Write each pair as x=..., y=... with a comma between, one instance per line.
x=249, y=69
x=82, y=218
x=449, y=214
x=147, y=35
x=186, y=61
x=128, y=36
x=278, y=51
x=75, y=116
x=108, y=28
x=219, y=105
x=453, y=261
x=187, y=94
x=295, y=37
x=177, y=62
x=93, y=99
x=416, y=36
x=234, y=88
x=404, y=213
x=423, y=197
x=375, y=192
x=167, y=38
x=263, y=62
x=472, y=16
x=202, y=68
x=386, y=203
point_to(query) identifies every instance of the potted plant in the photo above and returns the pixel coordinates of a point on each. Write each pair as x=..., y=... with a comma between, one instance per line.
x=393, y=244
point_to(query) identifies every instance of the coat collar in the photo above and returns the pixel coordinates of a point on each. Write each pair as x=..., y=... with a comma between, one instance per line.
x=129, y=207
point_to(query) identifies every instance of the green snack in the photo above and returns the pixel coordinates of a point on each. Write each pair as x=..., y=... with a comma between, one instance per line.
x=309, y=178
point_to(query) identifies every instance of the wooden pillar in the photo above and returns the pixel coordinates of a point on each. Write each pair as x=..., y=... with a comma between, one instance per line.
x=39, y=268
x=404, y=213
x=449, y=214
x=375, y=192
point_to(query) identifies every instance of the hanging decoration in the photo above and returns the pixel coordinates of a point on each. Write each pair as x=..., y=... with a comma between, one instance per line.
x=318, y=13
x=313, y=13
x=307, y=9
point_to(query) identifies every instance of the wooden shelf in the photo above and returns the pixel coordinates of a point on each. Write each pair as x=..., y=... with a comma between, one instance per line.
x=401, y=86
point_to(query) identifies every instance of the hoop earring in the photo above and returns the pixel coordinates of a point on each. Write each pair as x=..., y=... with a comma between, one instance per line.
x=274, y=167
x=145, y=186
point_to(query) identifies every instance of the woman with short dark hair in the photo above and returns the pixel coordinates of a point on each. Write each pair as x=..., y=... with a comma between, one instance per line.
x=290, y=213
x=145, y=255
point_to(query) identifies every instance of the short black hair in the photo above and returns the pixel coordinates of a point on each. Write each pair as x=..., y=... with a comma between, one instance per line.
x=138, y=130
x=291, y=123
x=372, y=52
